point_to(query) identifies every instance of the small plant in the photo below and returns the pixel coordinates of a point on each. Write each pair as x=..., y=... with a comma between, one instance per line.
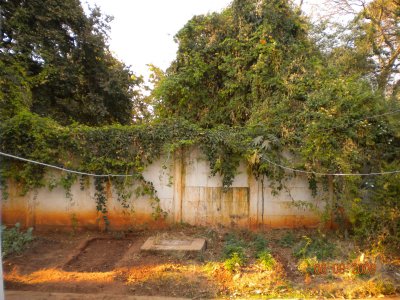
x=307, y=265
x=260, y=244
x=234, y=263
x=266, y=260
x=319, y=247
x=14, y=240
x=233, y=253
x=233, y=245
x=74, y=223
x=118, y=235
x=287, y=240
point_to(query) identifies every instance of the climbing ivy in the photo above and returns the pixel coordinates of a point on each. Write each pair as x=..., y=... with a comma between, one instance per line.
x=118, y=149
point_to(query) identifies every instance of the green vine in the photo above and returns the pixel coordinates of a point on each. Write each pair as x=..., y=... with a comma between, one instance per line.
x=119, y=150
x=129, y=150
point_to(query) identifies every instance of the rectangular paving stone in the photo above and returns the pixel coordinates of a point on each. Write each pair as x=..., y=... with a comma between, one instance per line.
x=173, y=244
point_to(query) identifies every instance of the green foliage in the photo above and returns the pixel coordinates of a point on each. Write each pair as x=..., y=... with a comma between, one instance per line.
x=260, y=243
x=229, y=63
x=376, y=218
x=233, y=253
x=55, y=61
x=233, y=245
x=234, y=263
x=287, y=240
x=319, y=247
x=266, y=260
x=14, y=240
x=307, y=265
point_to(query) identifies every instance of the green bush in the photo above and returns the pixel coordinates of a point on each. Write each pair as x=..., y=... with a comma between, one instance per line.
x=260, y=243
x=266, y=260
x=233, y=245
x=307, y=265
x=234, y=263
x=318, y=247
x=287, y=240
x=14, y=240
x=376, y=218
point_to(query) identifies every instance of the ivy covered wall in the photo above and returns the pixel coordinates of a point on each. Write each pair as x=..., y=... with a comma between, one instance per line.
x=186, y=192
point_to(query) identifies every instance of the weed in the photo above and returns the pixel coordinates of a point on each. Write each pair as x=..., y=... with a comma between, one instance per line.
x=287, y=240
x=233, y=253
x=74, y=223
x=259, y=244
x=319, y=247
x=118, y=235
x=266, y=260
x=306, y=265
x=234, y=262
x=14, y=240
x=233, y=245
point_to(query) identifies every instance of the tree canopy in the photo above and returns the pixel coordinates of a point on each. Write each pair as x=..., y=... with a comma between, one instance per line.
x=229, y=63
x=54, y=61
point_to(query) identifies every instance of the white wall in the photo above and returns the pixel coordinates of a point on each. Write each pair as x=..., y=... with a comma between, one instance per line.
x=187, y=192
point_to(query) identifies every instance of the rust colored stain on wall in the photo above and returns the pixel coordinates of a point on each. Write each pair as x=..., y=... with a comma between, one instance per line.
x=213, y=206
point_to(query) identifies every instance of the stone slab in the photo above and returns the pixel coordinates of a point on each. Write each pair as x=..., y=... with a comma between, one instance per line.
x=173, y=244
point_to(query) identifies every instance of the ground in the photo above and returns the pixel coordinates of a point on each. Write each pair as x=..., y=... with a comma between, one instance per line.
x=112, y=263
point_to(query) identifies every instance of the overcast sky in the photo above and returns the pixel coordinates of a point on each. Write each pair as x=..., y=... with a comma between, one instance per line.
x=142, y=30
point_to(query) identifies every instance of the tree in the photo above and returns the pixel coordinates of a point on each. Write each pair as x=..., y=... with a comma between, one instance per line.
x=63, y=60
x=229, y=63
x=375, y=34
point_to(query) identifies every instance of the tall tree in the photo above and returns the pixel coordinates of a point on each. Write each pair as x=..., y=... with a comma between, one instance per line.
x=62, y=57
x=375, y=34
x=229, y=63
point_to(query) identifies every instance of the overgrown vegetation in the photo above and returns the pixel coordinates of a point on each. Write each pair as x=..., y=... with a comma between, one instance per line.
x=319, y=247
x=252, y=82
x=13, y=240
x=237, y=252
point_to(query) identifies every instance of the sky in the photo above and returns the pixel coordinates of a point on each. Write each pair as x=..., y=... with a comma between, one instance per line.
x=142, y=30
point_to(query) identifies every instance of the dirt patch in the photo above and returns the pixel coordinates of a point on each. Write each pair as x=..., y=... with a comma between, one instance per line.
x=99, y=255
x=46, y=251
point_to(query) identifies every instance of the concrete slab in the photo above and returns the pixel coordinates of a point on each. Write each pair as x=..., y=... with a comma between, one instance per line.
x=173, y=244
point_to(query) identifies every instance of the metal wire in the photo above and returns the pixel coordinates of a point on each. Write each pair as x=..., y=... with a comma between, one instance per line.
x=62, y=168
x=331, y=174
x=271, y=162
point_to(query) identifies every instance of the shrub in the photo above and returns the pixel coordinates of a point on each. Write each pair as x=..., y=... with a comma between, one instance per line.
x=14, y=240
x=319, y=247
x=306, y=265
x=287, y=240
x=266, y=260
x=260, y=243
x=233, y=245
x=234, y=262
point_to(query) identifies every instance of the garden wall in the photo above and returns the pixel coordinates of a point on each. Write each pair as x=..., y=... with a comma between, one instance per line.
x=187, y=194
